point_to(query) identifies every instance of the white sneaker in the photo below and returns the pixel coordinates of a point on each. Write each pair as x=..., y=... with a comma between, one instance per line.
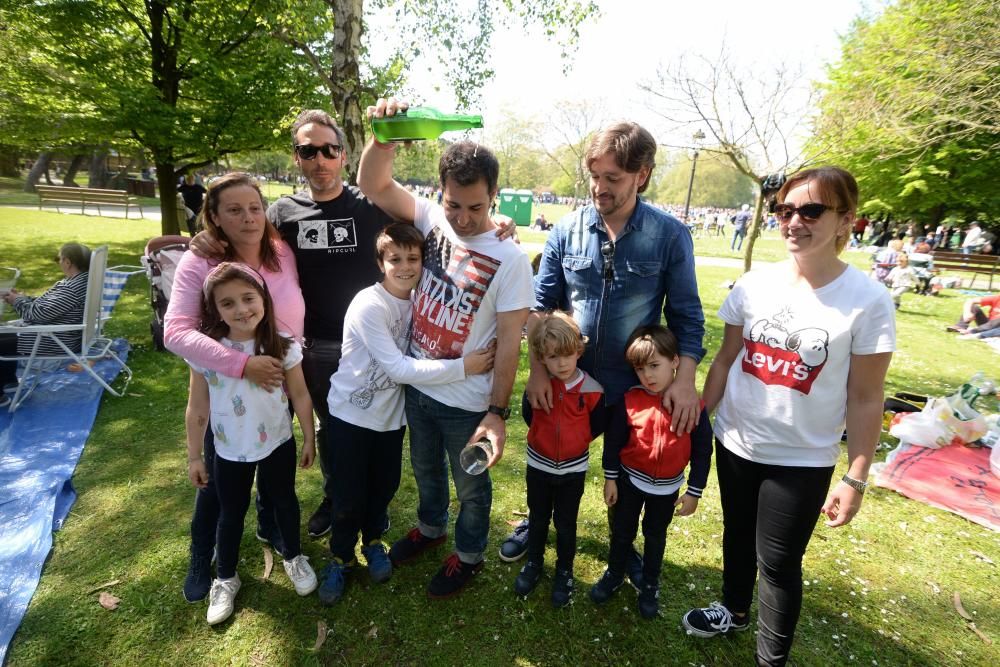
x=221, y=599
x=301, y=574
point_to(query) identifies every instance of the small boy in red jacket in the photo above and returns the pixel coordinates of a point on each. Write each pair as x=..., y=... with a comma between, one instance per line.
x=558, y=448
x=644, y=464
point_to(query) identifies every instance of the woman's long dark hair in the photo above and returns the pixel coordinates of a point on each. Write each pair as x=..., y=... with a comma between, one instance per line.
x=209, y=211
x=267, y=340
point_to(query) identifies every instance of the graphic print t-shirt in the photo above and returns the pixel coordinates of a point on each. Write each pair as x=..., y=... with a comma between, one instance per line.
x=334, y=244
x=786, y=394
x=466, y=281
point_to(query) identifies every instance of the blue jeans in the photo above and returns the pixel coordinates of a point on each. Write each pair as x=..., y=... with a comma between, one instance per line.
x=438, y=432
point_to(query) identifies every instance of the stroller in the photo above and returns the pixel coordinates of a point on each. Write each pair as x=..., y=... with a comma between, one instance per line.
x=160, y=260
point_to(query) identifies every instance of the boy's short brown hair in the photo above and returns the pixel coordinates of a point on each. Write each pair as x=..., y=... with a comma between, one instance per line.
x=402, y=234
x=647, y=340
x=561, y=331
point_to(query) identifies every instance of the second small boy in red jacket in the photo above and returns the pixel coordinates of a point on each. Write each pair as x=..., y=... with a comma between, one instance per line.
x=644, y=464
x=558, y=448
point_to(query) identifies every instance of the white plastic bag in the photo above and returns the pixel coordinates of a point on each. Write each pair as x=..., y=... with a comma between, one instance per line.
x=937, y=426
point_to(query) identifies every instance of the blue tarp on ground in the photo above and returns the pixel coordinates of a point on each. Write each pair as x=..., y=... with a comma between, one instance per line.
x=40, y=445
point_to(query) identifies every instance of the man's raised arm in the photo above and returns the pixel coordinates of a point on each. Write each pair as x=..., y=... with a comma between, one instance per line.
x=375, y=170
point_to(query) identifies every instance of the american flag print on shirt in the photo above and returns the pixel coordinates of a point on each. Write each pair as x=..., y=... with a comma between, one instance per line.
x=454, y=282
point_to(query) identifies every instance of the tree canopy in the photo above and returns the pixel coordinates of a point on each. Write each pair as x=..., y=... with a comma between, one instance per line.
x=912, y=108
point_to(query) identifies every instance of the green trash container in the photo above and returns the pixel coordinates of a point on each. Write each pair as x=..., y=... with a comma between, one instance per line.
x=517, y=205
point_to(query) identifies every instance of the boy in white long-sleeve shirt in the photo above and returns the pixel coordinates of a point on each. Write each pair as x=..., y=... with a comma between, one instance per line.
x=367, y=421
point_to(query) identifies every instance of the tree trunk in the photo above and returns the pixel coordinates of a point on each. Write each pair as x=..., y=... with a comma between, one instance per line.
x=74, y=166
x=40, y=167
x=755, y=226
x=345, y=78
x=98, y=172
x=166, y=178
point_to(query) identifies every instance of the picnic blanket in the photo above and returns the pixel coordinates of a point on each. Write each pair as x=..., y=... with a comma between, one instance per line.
x=40, y=445
x=954, y=478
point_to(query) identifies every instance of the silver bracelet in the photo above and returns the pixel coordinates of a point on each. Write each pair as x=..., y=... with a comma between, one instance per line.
x=857, y=484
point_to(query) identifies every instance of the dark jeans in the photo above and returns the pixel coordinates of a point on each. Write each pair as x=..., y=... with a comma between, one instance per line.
x=320, y=360
x=234, y=480
x=366, y=468
x=205, y=520
x=438, y=432
x=737, y=234
x=768, y=513
x=625, y=525
x=8, y=369
x=555, y=497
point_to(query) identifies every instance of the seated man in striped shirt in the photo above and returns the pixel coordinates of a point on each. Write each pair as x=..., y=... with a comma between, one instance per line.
x=63, y=303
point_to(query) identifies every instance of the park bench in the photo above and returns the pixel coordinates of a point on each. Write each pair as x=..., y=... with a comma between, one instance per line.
x=85, y=196
x=948, y=262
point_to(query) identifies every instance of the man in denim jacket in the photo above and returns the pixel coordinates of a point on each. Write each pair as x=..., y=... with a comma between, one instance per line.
x=615, y=265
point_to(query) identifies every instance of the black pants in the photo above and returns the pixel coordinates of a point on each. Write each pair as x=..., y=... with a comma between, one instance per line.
x=205, y=519
x=769, y=513
x=8, y=369
x=556, y=498
x=366, y=469
x=320, y=360
x=233, y=482
x=625, y=525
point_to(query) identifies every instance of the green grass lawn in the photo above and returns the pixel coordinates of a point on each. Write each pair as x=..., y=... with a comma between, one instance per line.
x=880, y=590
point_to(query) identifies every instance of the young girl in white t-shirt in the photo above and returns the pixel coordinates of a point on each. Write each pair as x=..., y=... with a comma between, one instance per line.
x=252, y=428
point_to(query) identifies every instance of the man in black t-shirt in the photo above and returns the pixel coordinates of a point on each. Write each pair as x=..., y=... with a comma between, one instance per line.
x=331, y=227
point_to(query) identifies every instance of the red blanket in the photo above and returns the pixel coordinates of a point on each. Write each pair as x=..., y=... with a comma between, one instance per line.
x=955, y=478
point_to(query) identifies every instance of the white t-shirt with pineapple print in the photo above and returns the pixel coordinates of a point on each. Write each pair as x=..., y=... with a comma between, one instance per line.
x=248, y=422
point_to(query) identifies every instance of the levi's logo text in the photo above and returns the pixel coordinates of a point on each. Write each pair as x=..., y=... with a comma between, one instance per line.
x=777, y=356
x=452, y=287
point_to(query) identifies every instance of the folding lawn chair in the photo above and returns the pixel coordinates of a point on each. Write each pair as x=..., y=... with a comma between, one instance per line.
x=94, y=345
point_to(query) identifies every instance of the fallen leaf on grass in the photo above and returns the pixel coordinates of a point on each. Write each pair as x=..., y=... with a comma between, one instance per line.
x=372, y=632
x=109, y=601
x=957, y=599
x=321, y=633
x=104, y=585
x=983, y=557
x=268, y=563
x=934, y=587
x=979, y=633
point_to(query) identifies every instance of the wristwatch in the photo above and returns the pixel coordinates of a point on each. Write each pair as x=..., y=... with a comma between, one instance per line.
x=860, y=486
x=503, y=413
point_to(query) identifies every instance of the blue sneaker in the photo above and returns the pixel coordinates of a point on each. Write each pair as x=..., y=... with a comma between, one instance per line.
x=379, y=565
x=516, y=544
x=334, y=581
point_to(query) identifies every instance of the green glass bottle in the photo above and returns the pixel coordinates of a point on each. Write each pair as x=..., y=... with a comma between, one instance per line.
x=420, y=123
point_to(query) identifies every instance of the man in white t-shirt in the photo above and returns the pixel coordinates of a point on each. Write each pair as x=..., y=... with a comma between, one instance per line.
x=474, y=288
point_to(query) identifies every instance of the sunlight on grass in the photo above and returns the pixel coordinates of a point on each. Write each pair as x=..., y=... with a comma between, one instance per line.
x=879, y=591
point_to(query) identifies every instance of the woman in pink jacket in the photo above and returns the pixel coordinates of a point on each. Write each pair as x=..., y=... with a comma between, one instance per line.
x=233, y=212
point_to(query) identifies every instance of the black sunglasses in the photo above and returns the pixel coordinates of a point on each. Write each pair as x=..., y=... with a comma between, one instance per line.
x=811, y=211
x=308, y=151
x=608, y=252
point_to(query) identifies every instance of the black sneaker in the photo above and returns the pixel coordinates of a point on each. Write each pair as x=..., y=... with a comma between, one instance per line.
x=452, y=577
x=319, y=522
x=528, y=578
x=412, y=545
x=713, y=620
x=605, y=587
x=273, y=539
x=516, y=544
x=649, y=604
x=633, y=569
x=562, y=588
x=199, y=578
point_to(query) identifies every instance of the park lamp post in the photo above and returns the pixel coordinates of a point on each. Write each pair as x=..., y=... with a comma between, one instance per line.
x=698, y=137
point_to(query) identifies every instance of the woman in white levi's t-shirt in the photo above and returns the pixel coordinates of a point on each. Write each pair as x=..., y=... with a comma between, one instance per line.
x=806, y=349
